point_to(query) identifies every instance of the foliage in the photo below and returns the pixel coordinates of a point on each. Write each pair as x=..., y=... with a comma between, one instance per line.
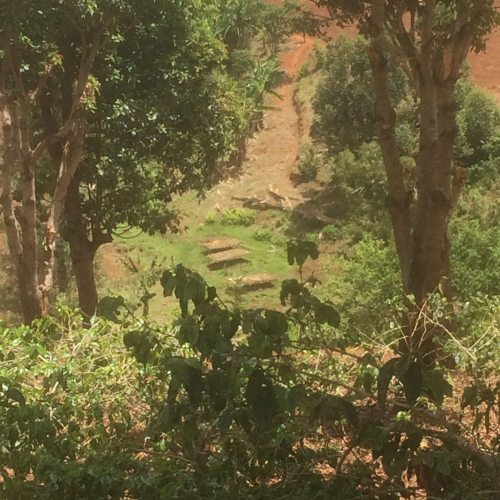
x=476, y=246
x=331, y=233
x=304, y=71
x=221, y=405
x=211, y=217
x=344, y=101
x=357, y=191
x=310, y=162
x=480, y=120
x=367, y=310
x=264, y=234
x=145, y=92
x=242, y=21
x=237, y=217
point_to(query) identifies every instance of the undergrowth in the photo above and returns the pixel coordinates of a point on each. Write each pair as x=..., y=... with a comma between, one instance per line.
x=236, y=403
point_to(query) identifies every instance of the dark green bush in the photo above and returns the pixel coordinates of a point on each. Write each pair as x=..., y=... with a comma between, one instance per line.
x=310, y=162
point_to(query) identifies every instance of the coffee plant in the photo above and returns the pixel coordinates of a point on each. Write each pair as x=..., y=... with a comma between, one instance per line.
x=234, y=403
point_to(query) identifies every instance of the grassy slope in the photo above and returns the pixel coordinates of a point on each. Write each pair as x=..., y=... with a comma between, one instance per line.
x=186, y=249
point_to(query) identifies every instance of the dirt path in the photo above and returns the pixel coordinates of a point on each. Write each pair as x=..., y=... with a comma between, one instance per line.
x=272, y=154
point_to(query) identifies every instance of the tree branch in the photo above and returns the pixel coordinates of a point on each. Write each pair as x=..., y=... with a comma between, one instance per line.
x=87, y=61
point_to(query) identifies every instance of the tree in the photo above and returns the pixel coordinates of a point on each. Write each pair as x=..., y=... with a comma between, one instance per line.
x=344, y=100
x=28, y=40
x=431, y=40
x=160, y=124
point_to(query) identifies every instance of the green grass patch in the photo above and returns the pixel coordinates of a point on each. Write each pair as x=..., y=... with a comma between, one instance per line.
x=186, y=249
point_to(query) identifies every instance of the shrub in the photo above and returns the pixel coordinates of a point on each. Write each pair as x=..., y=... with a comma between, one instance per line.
x=366, y=286
x=238, y=217
x=319, y=56
x=475, y=256
x=138, y=411
x=211, y=217
x=331, y=233
x=304, y=71
x=263, y=234
x=309, y=164
x=343, y=105
x=480, y=117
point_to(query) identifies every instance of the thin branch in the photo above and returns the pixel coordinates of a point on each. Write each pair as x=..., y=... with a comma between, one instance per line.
x=81, y=85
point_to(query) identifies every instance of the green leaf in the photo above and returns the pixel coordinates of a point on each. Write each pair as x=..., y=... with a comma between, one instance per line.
x=147, y=297
x=413, y=381
x=16, y=395
x=211, y=293
x=168, y=282
x=383, y=380
x=142, y=349
x=277, y=322
x=436, y=386
x=414, y=439
x=443, y=462
x=375, y=437
x=194, y=386
x=261, y=399
x=470, y=397
x=13, y=436
x=195, y=289
x=219, y=389
x=130, y=339
x=287, y=373
x=301, y=254
x=109, y=308
x=189, y=332
x=295, y=396
x=325, y=313
x=367, y=382
x=334, y=408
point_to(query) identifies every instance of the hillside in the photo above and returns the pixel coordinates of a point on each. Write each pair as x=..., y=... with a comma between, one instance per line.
x=252, y=261
x=272, y=160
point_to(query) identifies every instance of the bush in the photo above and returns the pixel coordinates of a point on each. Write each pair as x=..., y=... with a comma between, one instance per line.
x=366, y=286
x=304, y=71
x=309, y=164
x=480, y=119
x=238, y=217
x=211, y=217
x=331, y=233
x=475, y=256
x=263, y=234
x=344, y=113
x=320, y=54
x=217, y=405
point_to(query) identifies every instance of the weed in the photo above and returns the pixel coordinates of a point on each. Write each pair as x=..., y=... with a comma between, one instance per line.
x=238, y=217
x=264, y=234
x=304, y=71
x=211, y=217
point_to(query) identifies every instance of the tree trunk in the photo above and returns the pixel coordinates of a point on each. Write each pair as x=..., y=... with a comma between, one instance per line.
x=82, y=258
x=69, y=161
x=61, y=268
x=23, y=249
x=31, y=295
x=399, y=199
x=424, y=253
x=82, y=251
